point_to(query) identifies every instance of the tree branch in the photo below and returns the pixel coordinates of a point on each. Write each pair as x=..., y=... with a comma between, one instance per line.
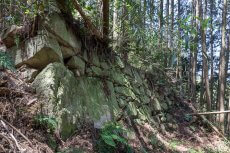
x=88, y=23
x=208, y=113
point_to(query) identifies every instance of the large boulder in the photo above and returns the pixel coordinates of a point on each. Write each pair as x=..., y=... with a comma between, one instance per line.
x=38, y=52
x=76, y=63
x=70, y=99
x=58, y=28
x=67, y=52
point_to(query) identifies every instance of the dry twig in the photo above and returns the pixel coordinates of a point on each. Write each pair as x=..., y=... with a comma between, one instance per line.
x=15, y=129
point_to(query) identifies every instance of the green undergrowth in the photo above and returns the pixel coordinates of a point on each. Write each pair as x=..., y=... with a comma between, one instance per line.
x=111, y=139
x=45, y=122
x=6, y=61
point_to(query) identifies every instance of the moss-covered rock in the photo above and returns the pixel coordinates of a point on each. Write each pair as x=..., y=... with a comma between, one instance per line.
x=58, y=28
x=128, y=71
x=67, y=52
x=76, y=63
x=96, y=70
x=68, y=98
x=38, y=52
x=156, y=104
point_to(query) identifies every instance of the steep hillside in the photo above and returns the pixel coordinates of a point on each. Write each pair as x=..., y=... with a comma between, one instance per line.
x=70, y=94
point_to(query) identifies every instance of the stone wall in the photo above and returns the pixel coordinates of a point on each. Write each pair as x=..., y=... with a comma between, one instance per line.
x=78, y=85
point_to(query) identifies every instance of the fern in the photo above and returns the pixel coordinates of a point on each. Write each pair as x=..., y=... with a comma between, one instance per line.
x=46, y=122
x=111, y=139
x=6, y=61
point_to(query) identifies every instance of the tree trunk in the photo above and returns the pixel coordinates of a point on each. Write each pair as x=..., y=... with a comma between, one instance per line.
x=172, y=23
x=171, y=32
x=105, y=11
x=179, y=62
x=167, y=22
x=1, y=17
x=228, y=118
x=115, y=24
x=161, y=17
x=194, y=53
x=62, y=5
x=222, y=75
x=212, y=55
x=152, y=11
x=179, y=44
x=125, y=37
x=145, y=12
x=205, y=58
x=226, y=71
x=161, y=30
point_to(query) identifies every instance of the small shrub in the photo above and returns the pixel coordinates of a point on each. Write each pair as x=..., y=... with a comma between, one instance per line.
x=6, y=61
x=187, y=118
x=46, y=122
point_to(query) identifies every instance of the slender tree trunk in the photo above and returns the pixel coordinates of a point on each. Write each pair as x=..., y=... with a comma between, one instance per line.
x=145, y=12
x=161, y=31
x=178, y=67
x=125, y=36
x=228, y=119
x=227, y=57
x=152, y=11
x=212, y=55
x=161, y=16
x=222, y=75
x=202, y=91
x=226, y=71
x=115, y=24
x=179, y=44
x=171, y=32
x=205, y=58
x=1, y=16
x=167, y=22
x=105, y=18
x=172, y=23
x=194, y=53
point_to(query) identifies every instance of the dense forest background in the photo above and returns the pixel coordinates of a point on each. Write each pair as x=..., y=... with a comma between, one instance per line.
x=188, y=39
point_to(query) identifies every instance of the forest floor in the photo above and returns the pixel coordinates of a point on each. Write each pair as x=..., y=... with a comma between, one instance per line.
x=19, y=133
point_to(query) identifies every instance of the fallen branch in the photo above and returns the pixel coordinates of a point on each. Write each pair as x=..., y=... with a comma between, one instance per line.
x=11, y=135
x=8, y=140
x=16, y=143
x=208, y=123
x=2, y=148
x=15, y=129
x=208, y=113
